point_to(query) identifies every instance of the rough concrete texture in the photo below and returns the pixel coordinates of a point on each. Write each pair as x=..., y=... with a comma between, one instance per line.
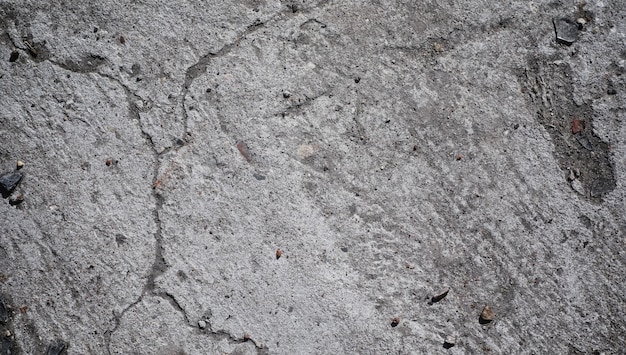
x=390, y=149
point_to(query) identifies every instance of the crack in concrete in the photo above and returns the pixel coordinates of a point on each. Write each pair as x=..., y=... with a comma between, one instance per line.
x=91, y=64
x=159, y=265
x=174, y=302
x=221, y=334
x=200, y=67
x=108, y=334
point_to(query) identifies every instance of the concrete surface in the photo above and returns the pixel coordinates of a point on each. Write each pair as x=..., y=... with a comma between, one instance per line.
x=392, y=150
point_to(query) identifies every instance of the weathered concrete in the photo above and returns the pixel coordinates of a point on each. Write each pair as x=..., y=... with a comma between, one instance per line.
x=390, y=150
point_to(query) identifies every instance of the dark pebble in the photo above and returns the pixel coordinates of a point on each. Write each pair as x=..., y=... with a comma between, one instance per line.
x=8, y=183
x=566, y=30
x=14, y=56
x=14, y=201
x=584, y=141
x=4, y=312
x=449, y=342
x=611, y=91
x=258, y=176
x=6, y=346
x=441, y=295
x=57, y=348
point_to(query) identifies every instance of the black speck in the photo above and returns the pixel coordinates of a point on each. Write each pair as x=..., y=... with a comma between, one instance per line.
x=357, y=80
x=344, y=249
x=120, y=239
x=14, y=56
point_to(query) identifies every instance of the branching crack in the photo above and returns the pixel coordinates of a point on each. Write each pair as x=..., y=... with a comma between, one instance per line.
x=91, y=63
x=174, y=302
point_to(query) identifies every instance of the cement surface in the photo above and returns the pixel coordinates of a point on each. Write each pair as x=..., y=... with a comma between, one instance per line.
x=391, y=150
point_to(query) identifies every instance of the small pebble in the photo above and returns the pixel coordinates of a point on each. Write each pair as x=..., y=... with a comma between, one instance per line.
x=487, y=315
x=571, y=176
x=441, y=295
x=566, y=30
x=449, y=342
x=395, y=321
x=57, y=348
x=8, y=183
x=14, y=201
x=243, y=149
x=20, y=164
x=202, y=324
x=279, y=253
x=14, y=56
x=577, y=125
x=4, y=312
x=577, y=186
x=584, y=141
